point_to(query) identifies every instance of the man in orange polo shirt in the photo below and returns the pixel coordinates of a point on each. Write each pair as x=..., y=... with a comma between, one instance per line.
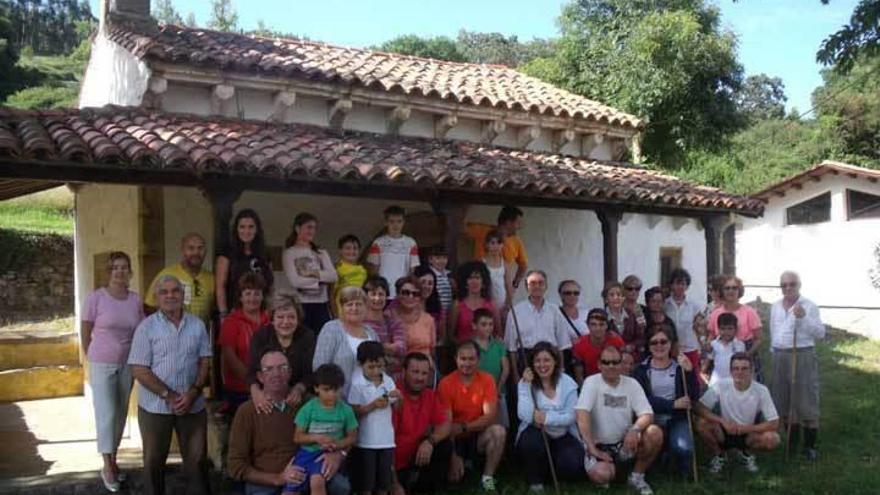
x=509, y=223
x=471, y=396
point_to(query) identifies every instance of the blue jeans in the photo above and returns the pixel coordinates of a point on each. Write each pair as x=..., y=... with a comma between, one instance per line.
x=679, y=443
x=338, y=485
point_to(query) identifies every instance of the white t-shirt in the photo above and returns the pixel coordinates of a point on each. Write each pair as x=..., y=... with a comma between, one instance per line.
x=375, y=429
x=612, y=409
x=663, y=380
x=580, y=323
x=395, y=257
x=740, y=406
x=499, y=288
x=720, y=356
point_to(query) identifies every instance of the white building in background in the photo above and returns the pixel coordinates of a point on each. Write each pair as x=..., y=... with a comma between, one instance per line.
x=825, y=224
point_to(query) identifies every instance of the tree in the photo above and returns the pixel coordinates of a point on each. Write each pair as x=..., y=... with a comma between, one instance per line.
x=859, y=38
x=191, y=20
x=495, y=48
x=761, y=97
x=440, y=47
x=165, y=13
x=666, y=61
x=223, y=16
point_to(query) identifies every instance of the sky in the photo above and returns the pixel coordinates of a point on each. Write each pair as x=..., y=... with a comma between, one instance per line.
x=776, y=37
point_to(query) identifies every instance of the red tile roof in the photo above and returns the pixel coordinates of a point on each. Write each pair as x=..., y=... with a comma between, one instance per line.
x=826, y=167
x=469, y=84
x=127, y=139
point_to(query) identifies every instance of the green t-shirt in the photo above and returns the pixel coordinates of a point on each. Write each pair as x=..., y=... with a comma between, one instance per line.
x=490, y=358
x=317, y=419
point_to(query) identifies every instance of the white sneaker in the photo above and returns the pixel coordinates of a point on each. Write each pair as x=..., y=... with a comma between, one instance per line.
x=536, y=488
x=638, y=483
x=716, y=464
x=749, y=461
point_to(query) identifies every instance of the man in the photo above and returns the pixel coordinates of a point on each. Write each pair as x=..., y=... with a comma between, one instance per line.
x=684, y=314
x=605, y=411
x=170, y=358
x=471, y=396
x=796, y=314
x=421, y=431
x=738, y=426
x=539, y=320
x=261, y=445
x=198, y=283
x=509, y=223
x=587, y=350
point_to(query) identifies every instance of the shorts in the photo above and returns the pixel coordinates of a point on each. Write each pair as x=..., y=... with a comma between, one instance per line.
x=615, y=450
x=371, y=470
x=308, y=460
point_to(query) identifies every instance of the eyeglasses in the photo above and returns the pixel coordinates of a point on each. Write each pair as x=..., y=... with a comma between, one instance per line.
x=281, y=367
x=659, y=342
x=633, y=289
x=610, y=362
x=571, y=293
x=788, y=285
x=410, y=293
x=740, y=368
x=197, y=288
x=731, y=287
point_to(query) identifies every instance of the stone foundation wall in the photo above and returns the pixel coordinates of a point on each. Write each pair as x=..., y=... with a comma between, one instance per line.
x=36, y=276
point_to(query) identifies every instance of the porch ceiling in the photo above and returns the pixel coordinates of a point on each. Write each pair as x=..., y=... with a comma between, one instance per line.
x=130, y=145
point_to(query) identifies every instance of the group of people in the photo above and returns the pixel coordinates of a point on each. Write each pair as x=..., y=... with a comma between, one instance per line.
x=387, y=372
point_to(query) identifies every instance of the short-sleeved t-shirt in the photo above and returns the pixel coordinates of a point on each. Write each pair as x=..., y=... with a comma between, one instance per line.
x=350, y=275
x=740, y=406
x=466, y=401
x=587, y=353
x=198, y=291
x=114, y=322
x=316, y=419
x=375, y=430
x=412, y=421
x=513, y=249
x=747, y=320
x=720, y=356
x=491, y=357
x=395, y=256
x=612, y=409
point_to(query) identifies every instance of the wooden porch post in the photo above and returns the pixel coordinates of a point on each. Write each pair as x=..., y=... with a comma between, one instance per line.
x=609, y=218
x=713, y=226
x=453, y=215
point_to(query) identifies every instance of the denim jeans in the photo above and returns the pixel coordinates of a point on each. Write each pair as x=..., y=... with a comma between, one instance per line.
x=338, y=485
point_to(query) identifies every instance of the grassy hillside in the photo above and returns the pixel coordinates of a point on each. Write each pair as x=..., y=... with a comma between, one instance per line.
x=47, y=212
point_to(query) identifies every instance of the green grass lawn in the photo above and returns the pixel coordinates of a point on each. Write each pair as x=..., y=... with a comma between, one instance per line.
x=849, y=440
x=47, y=212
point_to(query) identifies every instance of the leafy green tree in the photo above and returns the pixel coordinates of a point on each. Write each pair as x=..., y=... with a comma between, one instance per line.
x=440, y=47
x=761, y=97
x=191, y=20
x=495, y=48
x=858, y=38
x=165, y=13
x=45, y=97
x=224, y=17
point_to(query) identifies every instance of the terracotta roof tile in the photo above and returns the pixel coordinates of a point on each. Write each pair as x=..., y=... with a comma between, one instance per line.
x=813, y=173
x=134, y=138
x=474, y=84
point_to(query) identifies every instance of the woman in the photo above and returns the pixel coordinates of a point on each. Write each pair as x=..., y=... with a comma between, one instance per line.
x=475, y=292
x=655, y=315
x=387, y=328
x=623, y=321
x=431, y=297
x=110, y=316
x=748, y=322
x=236, y=333
x=287, y=334
x=246, y=253
x=546, y=400
x=418, y=325
x=574, y=314
x=662, y=375
x=632, y=285
x=339, y=339
x=502, y=278
x=309, y=270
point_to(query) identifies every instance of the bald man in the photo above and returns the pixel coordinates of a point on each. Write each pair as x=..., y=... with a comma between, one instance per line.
x=197, y=282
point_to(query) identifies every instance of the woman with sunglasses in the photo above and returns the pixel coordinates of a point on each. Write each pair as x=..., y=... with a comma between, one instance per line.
x=624, y=321
x=546, y=399
x=632, y=286
x=662, y=375
x=749, y=328
x=418, y=325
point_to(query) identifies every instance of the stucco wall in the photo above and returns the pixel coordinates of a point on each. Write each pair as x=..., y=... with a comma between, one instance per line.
x=187, y=210
x=114, y=76
x=833, y=258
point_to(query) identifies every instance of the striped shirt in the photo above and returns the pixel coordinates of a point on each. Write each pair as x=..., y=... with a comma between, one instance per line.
x=444, y=288
x=172, y=354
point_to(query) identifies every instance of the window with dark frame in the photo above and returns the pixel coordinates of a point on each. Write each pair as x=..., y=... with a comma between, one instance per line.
x=813, y=210
x=861, y=205
x=670, y=259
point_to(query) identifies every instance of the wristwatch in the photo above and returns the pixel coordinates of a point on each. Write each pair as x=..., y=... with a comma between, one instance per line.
x=635, y=429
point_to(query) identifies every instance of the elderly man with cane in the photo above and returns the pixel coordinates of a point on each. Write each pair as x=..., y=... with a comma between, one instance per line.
x=795, y=325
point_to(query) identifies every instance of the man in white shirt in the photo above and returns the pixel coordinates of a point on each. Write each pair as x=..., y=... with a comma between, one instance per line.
x=739, y=425
x=605, y=411
x=794, y=313
x=684, y=312
x=538, y=320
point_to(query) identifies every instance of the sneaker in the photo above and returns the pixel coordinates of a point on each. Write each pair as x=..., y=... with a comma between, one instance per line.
x=488, y=484
x=536, y=488
x=811, y=455
x=716, y=464
x=638, y=483
x=749, y=461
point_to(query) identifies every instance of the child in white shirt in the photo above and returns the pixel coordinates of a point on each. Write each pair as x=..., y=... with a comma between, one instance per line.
x=393, y=255
x=723, y=347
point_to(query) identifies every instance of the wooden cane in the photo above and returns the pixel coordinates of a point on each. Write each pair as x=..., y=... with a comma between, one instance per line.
x=690, y=429
x=792, y=394
x=522, y=352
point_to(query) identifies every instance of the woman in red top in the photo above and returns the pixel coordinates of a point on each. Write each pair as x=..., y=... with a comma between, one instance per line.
x=235, y=337
x=475, y=292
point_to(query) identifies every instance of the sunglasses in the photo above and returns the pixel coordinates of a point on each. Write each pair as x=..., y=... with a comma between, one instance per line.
x=731, y=287
x=788, y=285
x=197, y=288
x=410, y=293
x=571, y=293
x=659, y=342
x=610, y=362
x=632, y=289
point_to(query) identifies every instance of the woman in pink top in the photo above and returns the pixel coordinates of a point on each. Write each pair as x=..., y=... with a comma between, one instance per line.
x=747, y=319
x=418, y=325
x=109, y=318
x=475, y=292
x=387, y=327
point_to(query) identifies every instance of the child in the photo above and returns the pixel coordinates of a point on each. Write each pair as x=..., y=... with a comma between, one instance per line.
x=371, y=394
x=437, y=260
x=351, y=273
x=723, y=347
x=493, y=357
x=393, y=255
x=502, y=288
x=323, y=424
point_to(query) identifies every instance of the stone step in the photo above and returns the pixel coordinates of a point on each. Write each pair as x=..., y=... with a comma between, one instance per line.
x=34, y=349
x=41, y=382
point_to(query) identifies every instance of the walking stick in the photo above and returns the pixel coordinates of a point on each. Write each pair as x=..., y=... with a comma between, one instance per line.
x=522, y=352
x=792, y=394
x=690, y=429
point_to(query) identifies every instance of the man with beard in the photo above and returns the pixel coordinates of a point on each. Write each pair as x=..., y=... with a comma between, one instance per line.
x=197, y=282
